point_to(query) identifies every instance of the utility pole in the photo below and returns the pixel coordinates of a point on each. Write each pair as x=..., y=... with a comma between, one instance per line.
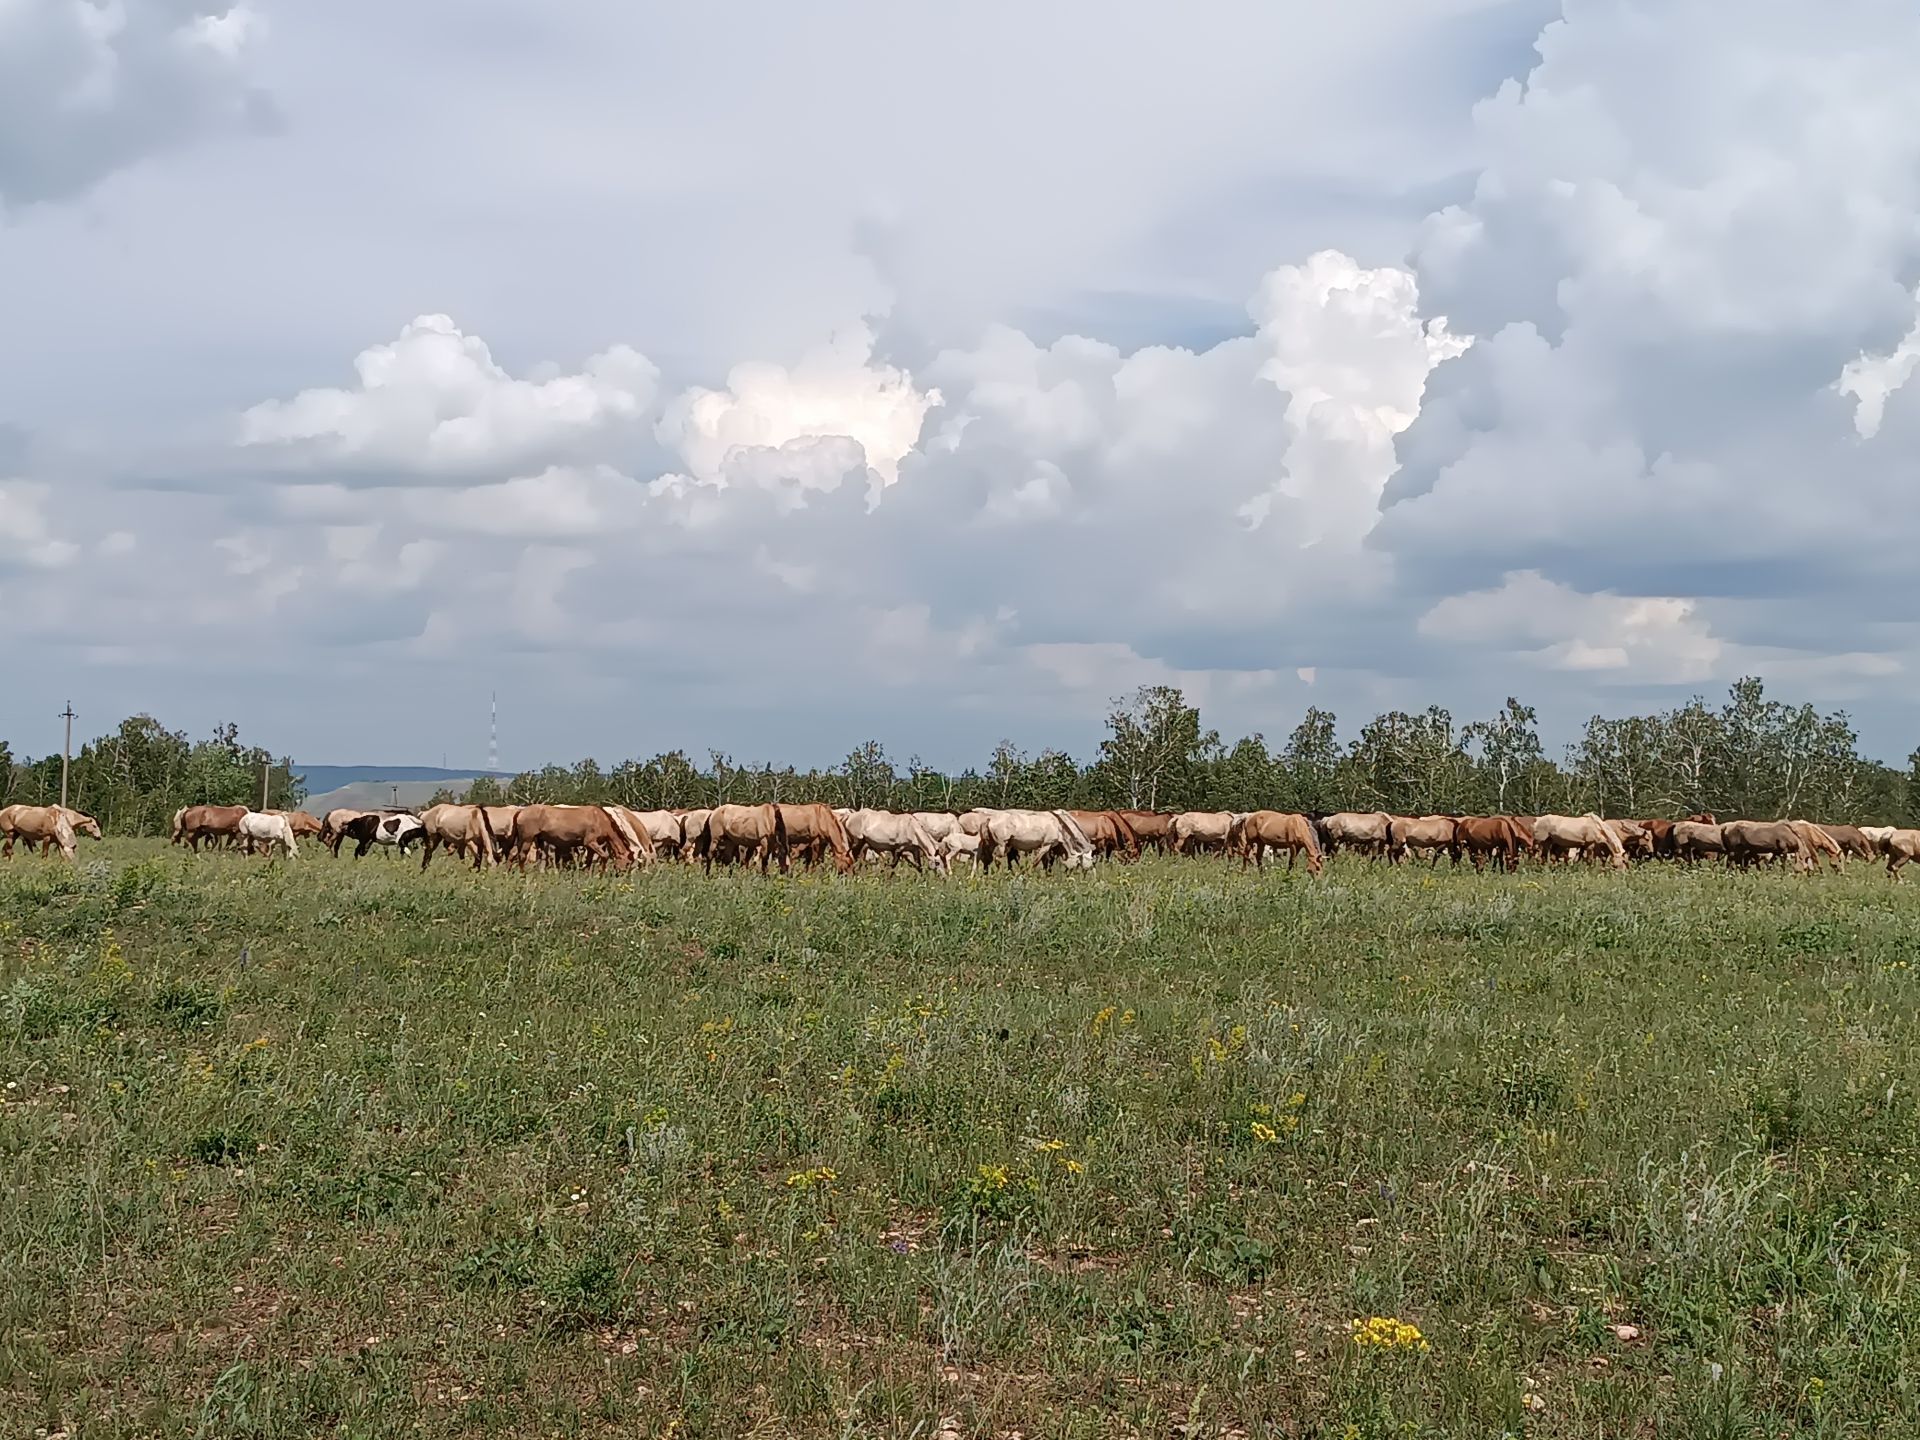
x=266, y=777
x=66, y=753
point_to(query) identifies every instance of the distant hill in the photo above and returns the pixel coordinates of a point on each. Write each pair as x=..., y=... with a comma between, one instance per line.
x=374, y=787
x=378, y=794
x=323, y=778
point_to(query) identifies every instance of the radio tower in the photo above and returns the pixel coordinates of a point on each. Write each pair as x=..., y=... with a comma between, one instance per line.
x=493, y=733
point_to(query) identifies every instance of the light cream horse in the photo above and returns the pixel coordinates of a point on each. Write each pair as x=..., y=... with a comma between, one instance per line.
x=885, y=832
x=1567, y=836
x=267, y=830
x=1048, y=834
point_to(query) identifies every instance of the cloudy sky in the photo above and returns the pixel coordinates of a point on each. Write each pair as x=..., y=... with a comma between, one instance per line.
x=769, y=377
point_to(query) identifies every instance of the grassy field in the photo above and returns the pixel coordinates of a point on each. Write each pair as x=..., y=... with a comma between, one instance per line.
x=342, y=1149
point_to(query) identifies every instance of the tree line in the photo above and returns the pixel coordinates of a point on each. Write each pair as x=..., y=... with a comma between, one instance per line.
x=1748, y=756
x=133, y=779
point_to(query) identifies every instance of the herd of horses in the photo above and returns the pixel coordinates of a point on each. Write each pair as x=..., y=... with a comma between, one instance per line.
x=616, y=837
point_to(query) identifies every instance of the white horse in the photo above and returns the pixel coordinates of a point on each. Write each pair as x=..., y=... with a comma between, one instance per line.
x=1048, y=834
x=959, y=845
x=663, y=827
x=937, y=823
x=269, y=831
x=884, y=832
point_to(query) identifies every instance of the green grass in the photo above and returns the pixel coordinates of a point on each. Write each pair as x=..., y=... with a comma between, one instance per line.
x=342, y=1149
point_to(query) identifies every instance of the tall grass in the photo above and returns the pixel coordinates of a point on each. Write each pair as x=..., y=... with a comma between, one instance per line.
x=345, y=1149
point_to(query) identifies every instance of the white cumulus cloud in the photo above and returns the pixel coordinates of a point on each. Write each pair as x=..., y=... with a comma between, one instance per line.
x=1682, y=231
x=1659, y=639
x=1353, y=354
x=434, y=402
x=1871, y=379
x=808, y=426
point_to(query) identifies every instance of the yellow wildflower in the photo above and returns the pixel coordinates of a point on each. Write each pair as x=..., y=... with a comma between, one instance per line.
x=1264, y=1133
x=1384, y=1332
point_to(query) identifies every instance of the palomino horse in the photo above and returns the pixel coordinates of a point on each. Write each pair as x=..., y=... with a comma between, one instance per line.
x=1262, y=830
x=46, y=826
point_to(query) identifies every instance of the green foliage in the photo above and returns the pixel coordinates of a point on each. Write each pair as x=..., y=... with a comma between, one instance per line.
x=1155, y=750
x=1750, y=756
x=133, y=780
x=1409, y=765
x=869, y=781
x=485, y=790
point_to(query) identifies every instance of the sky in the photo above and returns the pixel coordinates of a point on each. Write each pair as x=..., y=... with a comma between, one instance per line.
x=767, y=379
